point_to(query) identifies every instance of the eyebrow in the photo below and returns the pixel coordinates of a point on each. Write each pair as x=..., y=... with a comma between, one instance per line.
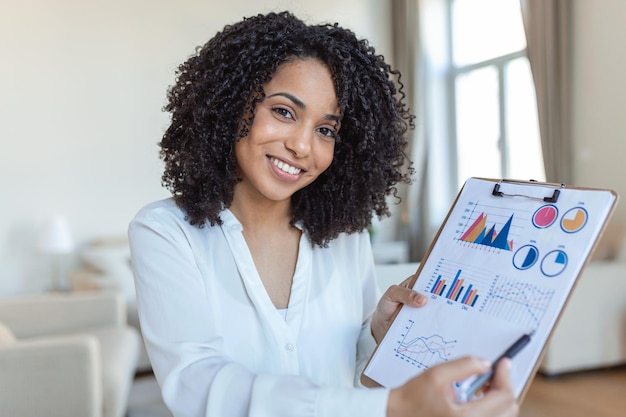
x=302, y=106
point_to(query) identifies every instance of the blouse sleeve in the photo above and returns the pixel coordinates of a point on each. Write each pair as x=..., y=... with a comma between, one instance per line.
x=196, y=376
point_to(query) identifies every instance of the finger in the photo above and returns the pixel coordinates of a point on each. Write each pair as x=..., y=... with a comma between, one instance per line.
x=460, y=369
x=502, y=376
x=500, y=397
x=398, y=294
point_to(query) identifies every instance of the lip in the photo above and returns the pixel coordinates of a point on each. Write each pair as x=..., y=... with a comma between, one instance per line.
x=283, y=174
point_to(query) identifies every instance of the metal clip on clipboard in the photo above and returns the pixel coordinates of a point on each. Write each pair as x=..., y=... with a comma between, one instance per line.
x=550, y=199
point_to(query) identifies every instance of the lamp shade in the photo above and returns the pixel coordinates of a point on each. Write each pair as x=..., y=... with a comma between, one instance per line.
x=56, y=237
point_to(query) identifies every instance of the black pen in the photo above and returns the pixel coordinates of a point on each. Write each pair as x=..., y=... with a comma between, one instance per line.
x=479, y=383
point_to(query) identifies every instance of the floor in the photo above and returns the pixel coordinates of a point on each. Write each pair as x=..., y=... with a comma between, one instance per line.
x=145, y=398
x=600, y=393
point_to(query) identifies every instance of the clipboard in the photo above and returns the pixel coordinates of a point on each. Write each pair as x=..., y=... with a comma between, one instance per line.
x=503, y=264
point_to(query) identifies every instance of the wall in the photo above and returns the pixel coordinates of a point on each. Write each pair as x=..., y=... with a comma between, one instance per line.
x=599, y=96
x=82, y=84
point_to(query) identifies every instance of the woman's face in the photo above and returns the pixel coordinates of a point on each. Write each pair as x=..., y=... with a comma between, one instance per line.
x=292, y=139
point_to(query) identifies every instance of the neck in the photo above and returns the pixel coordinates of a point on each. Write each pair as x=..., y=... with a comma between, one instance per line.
x=262, y=215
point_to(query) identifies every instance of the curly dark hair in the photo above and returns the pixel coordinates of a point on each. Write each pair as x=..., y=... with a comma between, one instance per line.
x=212, y=106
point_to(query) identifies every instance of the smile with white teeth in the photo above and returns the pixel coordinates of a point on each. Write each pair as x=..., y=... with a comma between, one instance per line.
x=286, y=167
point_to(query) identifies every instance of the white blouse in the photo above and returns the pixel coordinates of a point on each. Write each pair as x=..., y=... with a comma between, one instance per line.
x=217, y=344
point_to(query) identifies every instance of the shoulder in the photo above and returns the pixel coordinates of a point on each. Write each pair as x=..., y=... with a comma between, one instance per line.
x=167, y=219
x=162, y=212
x=167, y=205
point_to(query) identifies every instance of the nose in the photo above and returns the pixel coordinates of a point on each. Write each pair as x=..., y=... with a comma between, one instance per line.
x=299, y=142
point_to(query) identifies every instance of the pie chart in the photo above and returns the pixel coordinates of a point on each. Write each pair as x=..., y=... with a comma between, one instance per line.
x=545, y=216
x=574, y=219
x=525, y=257
x=554, y=263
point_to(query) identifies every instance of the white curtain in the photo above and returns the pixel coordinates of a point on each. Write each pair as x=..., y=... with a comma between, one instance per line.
x=547, y=25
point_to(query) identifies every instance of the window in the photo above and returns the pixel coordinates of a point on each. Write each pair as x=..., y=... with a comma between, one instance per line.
x=493, y=116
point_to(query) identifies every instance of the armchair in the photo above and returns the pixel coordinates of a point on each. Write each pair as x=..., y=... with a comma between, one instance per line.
x=66, y=355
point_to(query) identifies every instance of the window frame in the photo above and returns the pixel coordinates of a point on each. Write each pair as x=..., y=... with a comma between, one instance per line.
x=500, y=64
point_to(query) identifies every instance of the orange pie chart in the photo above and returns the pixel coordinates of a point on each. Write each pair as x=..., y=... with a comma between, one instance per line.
x=574, y=219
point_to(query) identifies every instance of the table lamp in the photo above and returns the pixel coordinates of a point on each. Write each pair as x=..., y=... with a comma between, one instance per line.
x=56, y=241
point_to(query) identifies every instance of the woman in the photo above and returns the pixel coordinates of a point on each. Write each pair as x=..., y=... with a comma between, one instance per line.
x=255, y=282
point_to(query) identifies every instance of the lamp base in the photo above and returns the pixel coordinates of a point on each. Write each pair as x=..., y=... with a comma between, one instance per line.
x=60, y=280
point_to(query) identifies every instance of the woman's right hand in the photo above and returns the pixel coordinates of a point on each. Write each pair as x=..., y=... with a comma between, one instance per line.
x=432, y=393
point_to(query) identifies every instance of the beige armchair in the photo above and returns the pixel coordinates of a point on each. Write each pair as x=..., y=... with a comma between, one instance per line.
x=105, y=266
x=66, y=355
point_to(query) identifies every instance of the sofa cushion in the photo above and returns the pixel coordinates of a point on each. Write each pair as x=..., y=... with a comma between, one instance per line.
x=612, y=243
x=112, y=260
x=119, y=346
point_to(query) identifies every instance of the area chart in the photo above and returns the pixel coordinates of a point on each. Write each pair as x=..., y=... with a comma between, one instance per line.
x=482, y=234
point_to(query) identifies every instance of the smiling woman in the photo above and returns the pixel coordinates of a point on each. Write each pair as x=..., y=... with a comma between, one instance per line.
x=286, y=139
x=214, y=103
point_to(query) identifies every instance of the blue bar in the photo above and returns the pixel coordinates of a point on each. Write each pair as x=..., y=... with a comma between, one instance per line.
x=459, y=294
x=469, y=289
x=435, y=284
x=442, y=288
x=475, y=299
x=456, y=278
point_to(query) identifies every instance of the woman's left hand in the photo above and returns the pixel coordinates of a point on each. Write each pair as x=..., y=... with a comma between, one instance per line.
x=389, y=302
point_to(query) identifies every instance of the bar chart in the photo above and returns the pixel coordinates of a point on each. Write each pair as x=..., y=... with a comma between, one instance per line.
x=459, y=283
x=458, y=290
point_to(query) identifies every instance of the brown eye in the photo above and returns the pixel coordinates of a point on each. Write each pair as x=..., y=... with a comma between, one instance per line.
x=282, y=112
x=329, y=133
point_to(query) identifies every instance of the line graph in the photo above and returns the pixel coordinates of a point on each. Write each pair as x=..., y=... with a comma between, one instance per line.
x=517, y=302
x=423, y=351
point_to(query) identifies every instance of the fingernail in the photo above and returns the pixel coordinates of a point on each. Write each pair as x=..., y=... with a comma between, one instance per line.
x=419, y=298
x=506, y=362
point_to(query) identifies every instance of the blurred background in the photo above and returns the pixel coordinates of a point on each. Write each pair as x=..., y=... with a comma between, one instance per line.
x=83, y=84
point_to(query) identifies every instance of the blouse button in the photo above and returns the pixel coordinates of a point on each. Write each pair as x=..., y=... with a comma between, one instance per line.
x=289, y=347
